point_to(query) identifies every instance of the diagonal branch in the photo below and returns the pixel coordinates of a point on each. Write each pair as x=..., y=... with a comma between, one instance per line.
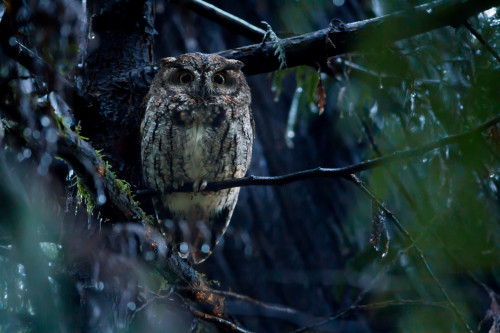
x=225, y=19
x=119, y=205
x=483, y=41
x=337, y=172
x=318, y=46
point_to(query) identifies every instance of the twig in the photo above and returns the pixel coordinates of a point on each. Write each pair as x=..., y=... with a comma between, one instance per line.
x=356, y=302
x=355, y=305
x=311, y=48
x=334, y=172
x=273, y=307
x=149, y=302
x=399, y=302
x=225, y=324
x=413, y=244
x=178, y=272
x=225, y=19
x=216, y=320
x=389, y=79
x=482, y=40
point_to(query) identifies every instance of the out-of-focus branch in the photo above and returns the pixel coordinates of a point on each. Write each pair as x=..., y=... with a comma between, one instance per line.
x=82, y=106
x=225, y=19
x=102, y=185
x=483, y=41
x=119, y=205
x=337, y=172
x=318, y=46
x=176, y=270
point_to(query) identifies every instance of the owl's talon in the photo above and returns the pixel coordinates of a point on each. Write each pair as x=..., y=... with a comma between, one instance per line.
x=196, y=186
x=203, y=185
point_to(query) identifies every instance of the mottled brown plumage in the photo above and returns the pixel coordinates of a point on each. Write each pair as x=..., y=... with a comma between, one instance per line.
x=197, y=128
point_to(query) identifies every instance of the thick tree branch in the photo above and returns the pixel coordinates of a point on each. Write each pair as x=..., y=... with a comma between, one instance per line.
x=338, y=172
x=225, y=19
x=318, y=46
x=119, y=205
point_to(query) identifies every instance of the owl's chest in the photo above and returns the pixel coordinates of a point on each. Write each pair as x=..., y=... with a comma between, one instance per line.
x=195, y=149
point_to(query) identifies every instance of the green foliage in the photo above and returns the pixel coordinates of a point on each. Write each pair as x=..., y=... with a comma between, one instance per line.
x=418, y=91
x=278, y=45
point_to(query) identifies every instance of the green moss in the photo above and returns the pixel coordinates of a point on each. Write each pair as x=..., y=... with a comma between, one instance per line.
x=84, y=197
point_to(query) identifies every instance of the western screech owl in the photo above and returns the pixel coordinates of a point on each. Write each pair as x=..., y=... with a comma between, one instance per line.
x=197, y=128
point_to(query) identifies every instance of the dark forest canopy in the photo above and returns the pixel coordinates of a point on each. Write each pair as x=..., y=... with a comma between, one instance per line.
x=371, y=204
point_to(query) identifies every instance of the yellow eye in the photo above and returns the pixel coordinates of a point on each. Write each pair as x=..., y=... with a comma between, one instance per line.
x=219, y=78
x=185, y=77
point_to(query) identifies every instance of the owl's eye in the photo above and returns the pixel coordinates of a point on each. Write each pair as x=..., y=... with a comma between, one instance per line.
x=219, y=78
x=185, y=77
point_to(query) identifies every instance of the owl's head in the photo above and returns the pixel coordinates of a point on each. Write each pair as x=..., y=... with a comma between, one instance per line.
x=203, y=77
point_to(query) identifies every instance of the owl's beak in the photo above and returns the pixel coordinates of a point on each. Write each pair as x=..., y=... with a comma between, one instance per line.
x=203, y=92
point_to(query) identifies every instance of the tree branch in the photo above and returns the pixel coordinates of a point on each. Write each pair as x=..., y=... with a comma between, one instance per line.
x=318, y=46
x=120, y=206
x=335, y=172
x=483, y=41
x=225, y=19
x=221, y=322
x=101, y=183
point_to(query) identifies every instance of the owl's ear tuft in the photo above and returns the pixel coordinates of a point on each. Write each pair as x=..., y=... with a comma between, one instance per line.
x=235, y=64
x=168, y=61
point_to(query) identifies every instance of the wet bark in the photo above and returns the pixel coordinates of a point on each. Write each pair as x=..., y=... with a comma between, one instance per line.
x=119, y=42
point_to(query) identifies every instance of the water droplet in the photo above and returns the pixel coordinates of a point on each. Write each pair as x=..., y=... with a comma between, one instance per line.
x=168, y=223
x=205, y=248
x=42, y=169
x=27, y=132
x=45, y=121
x=26, y=153
x=46, y=159
x=184, y=247
x=149, y=255
x=51, y=135
x=101, y=199
x=65, y=30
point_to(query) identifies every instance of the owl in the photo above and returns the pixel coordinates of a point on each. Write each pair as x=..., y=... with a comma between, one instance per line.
x=197, y=128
